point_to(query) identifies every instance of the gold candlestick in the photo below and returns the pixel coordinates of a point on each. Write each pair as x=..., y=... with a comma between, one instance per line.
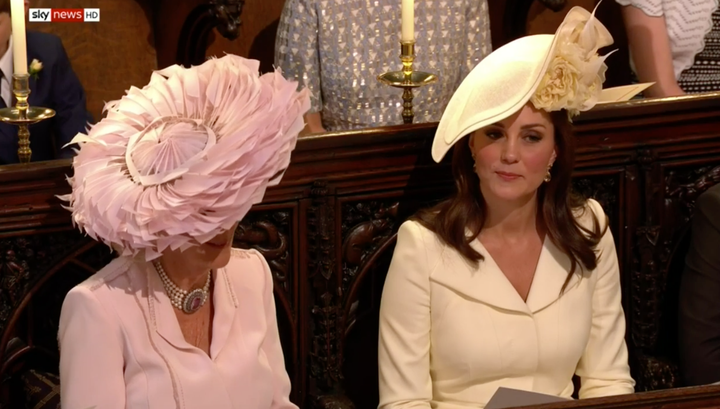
x=23, y=115
x=407, y=79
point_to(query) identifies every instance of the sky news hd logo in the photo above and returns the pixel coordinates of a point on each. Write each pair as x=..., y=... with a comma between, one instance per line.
x=64, y=15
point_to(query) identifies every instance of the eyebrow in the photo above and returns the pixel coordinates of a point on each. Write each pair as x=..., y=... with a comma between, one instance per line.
x=529, y=126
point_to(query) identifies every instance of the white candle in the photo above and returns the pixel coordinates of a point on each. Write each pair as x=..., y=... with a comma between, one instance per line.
x=408, y=20
x=17, y=9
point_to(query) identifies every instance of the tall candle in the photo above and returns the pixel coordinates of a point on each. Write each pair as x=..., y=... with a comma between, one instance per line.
x=408, y=20
x=17, y=9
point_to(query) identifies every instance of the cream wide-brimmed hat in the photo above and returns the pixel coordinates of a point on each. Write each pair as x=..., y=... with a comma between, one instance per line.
x=184, y=158
x=554, y=72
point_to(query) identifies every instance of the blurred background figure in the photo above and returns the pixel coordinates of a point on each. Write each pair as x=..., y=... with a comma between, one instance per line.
x=55, y=86
x=674, y=43
x=338, y=48
x=699, y=306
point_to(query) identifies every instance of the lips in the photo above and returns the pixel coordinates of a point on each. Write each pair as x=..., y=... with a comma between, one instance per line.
x=507, y=175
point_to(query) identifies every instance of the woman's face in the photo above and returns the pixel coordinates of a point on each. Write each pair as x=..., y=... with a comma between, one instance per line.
x=213, y=254
x=513, y=155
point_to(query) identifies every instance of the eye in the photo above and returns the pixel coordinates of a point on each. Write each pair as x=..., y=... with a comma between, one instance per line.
x=494, y=134
x=533, y=137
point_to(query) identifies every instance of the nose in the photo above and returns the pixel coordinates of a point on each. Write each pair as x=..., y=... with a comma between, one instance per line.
x=509, y=153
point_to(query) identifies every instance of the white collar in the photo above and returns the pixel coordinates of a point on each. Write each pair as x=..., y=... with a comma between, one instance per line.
x=6, y=61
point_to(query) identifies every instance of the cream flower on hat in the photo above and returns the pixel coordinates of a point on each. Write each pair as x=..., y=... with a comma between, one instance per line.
x=186, y=156
x=573, y=81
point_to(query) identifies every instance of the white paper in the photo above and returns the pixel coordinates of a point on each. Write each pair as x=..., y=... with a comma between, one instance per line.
x=512, y=398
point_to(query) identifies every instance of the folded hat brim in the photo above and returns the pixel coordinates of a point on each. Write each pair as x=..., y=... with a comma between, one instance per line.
x=503, y=82
x=623, y=93
x=500, y=85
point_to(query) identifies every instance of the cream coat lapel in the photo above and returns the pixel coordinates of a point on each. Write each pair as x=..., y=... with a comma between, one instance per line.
x=486, y=283
x=550, y=275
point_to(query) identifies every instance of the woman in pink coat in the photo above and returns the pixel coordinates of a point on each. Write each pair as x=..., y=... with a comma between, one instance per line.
x=180, y=319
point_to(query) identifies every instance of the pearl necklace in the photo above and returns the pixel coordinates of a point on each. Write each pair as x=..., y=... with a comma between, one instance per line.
x=187, y=301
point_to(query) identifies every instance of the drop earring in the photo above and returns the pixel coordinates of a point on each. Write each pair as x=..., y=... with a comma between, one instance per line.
x=548, y=176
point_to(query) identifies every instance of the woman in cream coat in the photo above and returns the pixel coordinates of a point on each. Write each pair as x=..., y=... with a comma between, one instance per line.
x=513, y=282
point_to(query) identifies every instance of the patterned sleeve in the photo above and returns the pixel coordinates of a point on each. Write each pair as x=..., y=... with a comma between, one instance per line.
x=296, y=47
x=477, y=30
x=653, y=8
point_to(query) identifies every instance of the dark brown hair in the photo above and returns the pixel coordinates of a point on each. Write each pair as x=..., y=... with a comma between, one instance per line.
x=5, y=6
x=556, y=203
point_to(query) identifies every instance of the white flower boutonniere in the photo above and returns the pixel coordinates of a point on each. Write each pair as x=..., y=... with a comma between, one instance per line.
x=35, y=68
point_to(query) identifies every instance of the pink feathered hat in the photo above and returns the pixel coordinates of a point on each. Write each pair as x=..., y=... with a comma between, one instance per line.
x=182, y=159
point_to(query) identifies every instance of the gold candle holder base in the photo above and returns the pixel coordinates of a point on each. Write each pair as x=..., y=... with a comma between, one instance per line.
x=22, y=115
x=407, y=79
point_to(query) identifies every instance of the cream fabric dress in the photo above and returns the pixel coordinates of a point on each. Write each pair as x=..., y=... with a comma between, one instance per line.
x=451, y=334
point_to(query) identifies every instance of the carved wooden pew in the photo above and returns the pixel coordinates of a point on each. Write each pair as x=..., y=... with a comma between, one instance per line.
x=328, y=232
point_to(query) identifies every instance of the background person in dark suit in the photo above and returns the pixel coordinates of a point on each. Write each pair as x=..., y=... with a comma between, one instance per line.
x=699, y=306
x=56, y=87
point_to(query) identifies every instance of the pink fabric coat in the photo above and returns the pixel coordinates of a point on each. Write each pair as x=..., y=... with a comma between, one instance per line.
x=121, y=345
